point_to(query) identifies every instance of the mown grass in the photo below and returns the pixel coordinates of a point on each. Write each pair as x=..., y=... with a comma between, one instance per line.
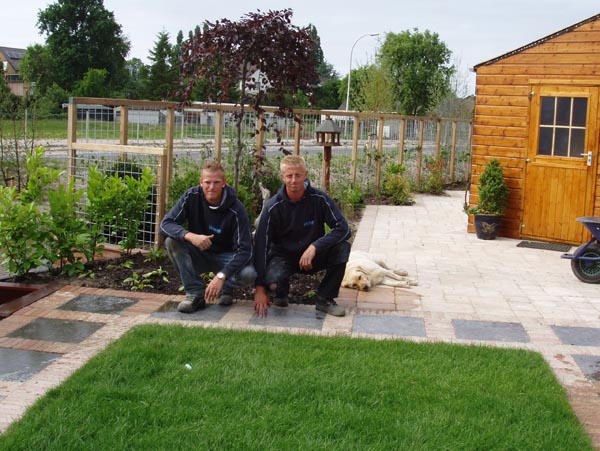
x=260, y=391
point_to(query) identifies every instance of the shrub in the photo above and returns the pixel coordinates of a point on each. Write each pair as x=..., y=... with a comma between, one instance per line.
x=397, y=185
x=493, y=192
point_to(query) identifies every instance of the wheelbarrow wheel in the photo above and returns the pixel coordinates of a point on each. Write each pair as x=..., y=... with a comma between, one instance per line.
x=585, y=270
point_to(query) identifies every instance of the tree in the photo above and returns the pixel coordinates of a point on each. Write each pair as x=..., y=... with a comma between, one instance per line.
x=162, y=75
x=93, y=84
x=82, y=35
x=419, y=67
x=375, y=90
x=262, y=54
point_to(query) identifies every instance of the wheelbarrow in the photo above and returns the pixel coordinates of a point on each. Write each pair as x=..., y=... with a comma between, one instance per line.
x=585, y=261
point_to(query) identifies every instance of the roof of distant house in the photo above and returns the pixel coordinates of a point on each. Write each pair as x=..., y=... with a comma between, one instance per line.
x=13, y=56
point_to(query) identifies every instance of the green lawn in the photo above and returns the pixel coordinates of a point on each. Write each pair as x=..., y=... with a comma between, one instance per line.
x=261, y=391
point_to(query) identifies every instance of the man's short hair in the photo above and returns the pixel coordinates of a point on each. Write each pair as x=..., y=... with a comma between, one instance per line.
x=292, y=161
x=213, y=166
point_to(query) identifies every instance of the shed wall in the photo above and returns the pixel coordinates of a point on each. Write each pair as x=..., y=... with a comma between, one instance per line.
x=502, y=108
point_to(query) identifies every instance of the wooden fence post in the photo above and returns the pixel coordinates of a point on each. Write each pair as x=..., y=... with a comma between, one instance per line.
x=420, y=151
x=218, y=134
x=379, y=154
x=355, y=147
x=402, y=138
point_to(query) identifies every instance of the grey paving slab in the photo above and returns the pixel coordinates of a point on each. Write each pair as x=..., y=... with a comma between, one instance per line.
x=291, y=318
x=98, y=304
x=578, y=336
x=490, y=331
x=18, y=365
x=390, y=325
x=62, y=331
x=212, y=313
x=590, y=365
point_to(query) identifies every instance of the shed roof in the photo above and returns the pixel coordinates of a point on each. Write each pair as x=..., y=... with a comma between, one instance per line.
x=13, y=56
x=538, y=42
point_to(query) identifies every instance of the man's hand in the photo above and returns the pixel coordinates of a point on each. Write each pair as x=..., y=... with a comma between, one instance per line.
x=261, y=302
x=307, y=258
x=202, y=242
x=213, y=289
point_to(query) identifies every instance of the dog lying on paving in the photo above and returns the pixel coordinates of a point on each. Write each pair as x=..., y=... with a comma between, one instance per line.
x=365, y=270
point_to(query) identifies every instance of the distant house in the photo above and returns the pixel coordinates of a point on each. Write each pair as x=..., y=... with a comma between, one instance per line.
x=537, y=110
x=11, y=59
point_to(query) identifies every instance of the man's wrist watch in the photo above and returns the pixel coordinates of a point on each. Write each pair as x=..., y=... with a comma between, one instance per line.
x=221, y=275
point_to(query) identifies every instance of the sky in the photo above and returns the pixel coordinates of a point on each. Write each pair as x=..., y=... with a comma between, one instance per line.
x=473, y=30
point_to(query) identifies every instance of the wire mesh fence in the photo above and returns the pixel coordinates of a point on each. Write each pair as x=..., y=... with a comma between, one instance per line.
x=122, y=137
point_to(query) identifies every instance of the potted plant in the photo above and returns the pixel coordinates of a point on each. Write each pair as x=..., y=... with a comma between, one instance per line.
x=493, y=197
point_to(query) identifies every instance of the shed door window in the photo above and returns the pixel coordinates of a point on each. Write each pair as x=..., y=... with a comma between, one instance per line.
x=562, y=126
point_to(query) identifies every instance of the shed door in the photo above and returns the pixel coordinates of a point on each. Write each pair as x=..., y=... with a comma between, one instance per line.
x=561, y=163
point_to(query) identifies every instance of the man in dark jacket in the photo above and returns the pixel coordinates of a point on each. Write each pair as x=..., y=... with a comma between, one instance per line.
x=218, y=239
x=291, y=239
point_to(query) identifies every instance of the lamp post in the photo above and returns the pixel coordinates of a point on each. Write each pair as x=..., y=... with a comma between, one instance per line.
x=350, y=69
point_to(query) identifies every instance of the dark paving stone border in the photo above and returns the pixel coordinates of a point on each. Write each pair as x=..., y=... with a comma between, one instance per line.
x=590, y=365
x=212, y=313
x=59, y=330
x=578, y=336
x=92, y=303
x=17, y=365
x=490, y=331
x=287, y=317
x=390, y=325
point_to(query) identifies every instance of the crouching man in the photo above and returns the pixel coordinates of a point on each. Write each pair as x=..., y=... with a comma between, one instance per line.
x=291, y=238
x=217, y=239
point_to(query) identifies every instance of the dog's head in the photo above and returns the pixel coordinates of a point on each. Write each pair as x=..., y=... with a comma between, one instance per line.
x=359, y=281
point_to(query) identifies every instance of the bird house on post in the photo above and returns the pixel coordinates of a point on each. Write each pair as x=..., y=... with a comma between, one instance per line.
x=328, y=135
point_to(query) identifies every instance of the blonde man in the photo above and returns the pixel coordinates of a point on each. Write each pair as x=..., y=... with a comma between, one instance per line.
x=291, y=239
x=217, y=239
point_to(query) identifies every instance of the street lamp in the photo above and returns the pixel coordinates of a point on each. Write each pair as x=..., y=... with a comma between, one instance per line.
x=350, y=70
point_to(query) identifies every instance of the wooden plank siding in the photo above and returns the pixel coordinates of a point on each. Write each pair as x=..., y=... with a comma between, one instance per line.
x=501, y=122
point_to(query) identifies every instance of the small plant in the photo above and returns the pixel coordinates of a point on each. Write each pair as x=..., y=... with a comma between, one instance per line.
x=155, y=254
x=493, y=192
x=433, y=182
x=397, y=185
x=139, y=283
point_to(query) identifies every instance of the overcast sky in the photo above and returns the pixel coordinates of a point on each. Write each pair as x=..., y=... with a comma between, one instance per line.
x=474, y=30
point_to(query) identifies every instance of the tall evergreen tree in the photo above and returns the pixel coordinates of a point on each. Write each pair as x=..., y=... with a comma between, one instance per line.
x=163, y=76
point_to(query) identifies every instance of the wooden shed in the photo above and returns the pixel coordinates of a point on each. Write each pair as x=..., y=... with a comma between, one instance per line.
x=537, y=111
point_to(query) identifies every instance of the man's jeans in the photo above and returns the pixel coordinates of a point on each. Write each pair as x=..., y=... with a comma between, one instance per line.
x=333, y=261
x=191, y=262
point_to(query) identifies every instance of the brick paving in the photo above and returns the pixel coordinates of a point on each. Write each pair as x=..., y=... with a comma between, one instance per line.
x=490, y=293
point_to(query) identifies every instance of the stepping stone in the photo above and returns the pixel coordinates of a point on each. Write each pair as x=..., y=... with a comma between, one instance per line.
x=578, y=336
x=287, y=317
x=98, y=304
x=17, y=365
x=212, y=313
x=389, y=325
x=59, y=330
x=590, y=365
x=490, y=331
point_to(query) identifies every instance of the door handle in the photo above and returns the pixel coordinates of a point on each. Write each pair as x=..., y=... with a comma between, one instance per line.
x=589, y=157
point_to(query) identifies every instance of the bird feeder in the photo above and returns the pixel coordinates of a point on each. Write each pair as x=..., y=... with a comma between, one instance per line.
x=328, y=136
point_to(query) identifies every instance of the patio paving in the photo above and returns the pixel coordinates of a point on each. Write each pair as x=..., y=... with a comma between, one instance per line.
x=470, y=291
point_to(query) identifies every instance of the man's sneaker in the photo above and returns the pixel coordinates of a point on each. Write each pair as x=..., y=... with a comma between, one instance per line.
x=225, y=299
x=328, y=305
x=280, y=302
x=192, y=303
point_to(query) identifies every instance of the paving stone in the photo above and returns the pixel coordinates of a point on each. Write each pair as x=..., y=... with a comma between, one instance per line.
x=18, y=365
x=212, y=313
x=390, y=325
x=590, y=365
x=62, y=331
x=490, y=331
x=578, y=336
x=98, y=304
x=287, y=317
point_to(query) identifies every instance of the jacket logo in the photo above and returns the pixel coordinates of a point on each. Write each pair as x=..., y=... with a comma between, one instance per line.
x=309, y=223
x=214, y=229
